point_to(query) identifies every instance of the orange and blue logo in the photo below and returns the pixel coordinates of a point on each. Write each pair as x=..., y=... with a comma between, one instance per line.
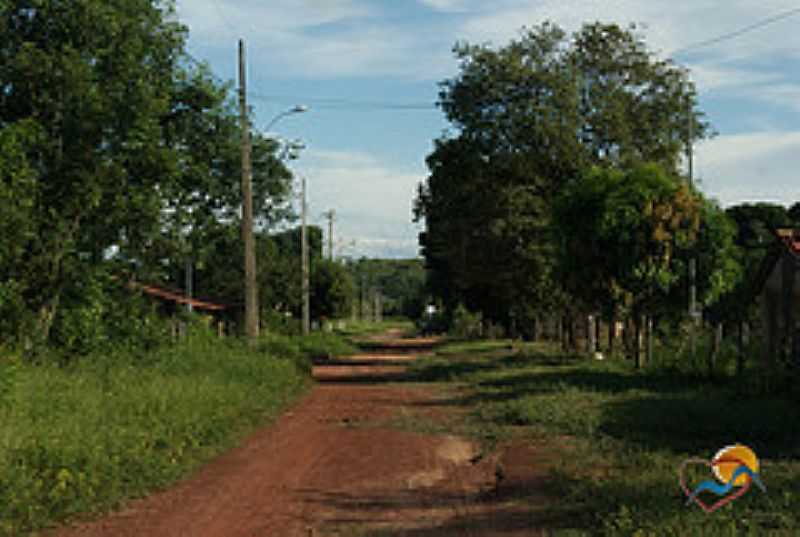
x=735, y=469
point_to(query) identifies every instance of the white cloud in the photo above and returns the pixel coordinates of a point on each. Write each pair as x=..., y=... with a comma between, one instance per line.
x=327, y=38
x=319, y=38
x=444, y=5
x=785, y=94
x=212, y=20
x=751, y=167
x=714, y=77
x=666, y=27
x=373, y=201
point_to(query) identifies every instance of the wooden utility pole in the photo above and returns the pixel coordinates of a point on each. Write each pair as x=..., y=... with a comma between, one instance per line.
x=693, y=313
x=304, y=255
x=330, y=215
x=250, y=289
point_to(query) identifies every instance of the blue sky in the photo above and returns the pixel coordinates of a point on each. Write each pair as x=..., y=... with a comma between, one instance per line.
x=369, y=71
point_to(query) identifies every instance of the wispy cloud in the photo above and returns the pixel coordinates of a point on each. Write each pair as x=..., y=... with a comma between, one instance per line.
x=320, y=39
x=762, y=166
x=444, y=5
x=373, y=200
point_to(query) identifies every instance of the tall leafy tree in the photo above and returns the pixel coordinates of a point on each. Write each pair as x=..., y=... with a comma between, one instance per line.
x=529, y=118
x=94, y=79
x=620, y=235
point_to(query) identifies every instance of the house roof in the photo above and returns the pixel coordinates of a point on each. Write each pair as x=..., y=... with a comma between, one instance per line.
x=791, y=238
x=178, y=298
x=787, y=240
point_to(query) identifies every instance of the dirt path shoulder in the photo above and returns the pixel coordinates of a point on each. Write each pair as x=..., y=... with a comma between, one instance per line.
x=334, y=465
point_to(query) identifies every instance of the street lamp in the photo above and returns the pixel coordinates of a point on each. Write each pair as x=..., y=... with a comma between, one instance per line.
x=296, y=109
x=250, y=284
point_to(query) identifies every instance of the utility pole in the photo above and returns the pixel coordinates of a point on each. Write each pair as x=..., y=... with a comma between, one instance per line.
x=692, y=261
x=330, y=215
x=304, y=255
x=250, y=289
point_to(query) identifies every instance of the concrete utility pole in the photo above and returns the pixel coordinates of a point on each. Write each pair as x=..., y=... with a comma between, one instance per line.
x=304, y=255
x=330, y=215
x=250, y=287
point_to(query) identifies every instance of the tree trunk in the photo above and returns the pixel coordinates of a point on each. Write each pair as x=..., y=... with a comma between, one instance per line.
x=649, y=356
x=591, y=339
x=716, y=342
x=740, y=349
x=788, y=271
x=637, y=340
x=771, y=306
x=612, y=330
x=573, y=332
x=597, y=329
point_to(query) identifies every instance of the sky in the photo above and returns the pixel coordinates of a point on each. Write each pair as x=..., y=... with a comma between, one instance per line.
x=369, y=71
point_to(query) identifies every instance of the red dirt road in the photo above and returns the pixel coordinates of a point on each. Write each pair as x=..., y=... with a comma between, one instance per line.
x=333, y=466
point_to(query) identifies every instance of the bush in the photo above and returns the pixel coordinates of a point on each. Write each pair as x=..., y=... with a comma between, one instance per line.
x=466, y=325
x=279, y=323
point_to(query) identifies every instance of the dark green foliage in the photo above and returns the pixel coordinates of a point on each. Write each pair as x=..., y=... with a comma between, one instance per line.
x=490, y=242
x=118, y=159
x=332, y=290
x=401, y=283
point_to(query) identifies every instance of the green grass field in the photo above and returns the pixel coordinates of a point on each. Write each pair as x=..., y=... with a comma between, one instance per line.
x=82, y=439
x=619, y=437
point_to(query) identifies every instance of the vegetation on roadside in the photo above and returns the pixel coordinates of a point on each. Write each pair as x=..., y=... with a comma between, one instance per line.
x=81, y=438
x=619, y=436
x=560, y=192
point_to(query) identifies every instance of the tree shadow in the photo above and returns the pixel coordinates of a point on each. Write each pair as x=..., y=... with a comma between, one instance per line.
x=504, y=510
x=700, y=422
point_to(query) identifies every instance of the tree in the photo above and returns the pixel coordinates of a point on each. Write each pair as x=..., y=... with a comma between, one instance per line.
x=627, y=237
x=620, y=236
x=17, y=202
x=528, y=119
x=93, y=79
x=332, y=290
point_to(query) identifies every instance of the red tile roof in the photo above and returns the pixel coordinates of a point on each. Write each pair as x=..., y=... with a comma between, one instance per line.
x=791, y=238
x=172, y=296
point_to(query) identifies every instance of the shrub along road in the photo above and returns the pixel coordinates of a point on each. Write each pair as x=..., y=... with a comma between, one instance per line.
x=365, y=453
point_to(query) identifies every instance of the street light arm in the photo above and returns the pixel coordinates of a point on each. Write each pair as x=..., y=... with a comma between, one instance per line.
x=298, y=109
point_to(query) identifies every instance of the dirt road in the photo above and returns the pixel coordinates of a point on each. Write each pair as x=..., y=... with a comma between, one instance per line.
x=336, y=465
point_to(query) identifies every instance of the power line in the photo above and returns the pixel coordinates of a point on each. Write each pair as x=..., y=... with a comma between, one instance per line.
x=321, y=102
x=223, y=17
x=741, y=31
x=347, y=104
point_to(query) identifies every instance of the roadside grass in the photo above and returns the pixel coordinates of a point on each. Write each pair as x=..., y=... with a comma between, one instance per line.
x=620, y=436
x=80, y=440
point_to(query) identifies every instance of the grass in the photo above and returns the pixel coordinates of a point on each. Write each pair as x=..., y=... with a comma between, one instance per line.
x=80, y=440
x=621, y=436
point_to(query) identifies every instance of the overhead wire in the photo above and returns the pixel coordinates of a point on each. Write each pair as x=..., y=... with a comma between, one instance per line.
x=223, y=17
x=357, y=104
x=741, y=31
x=347, y=104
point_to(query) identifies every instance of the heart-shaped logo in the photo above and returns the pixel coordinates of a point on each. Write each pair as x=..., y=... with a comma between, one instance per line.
x=696, y=497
